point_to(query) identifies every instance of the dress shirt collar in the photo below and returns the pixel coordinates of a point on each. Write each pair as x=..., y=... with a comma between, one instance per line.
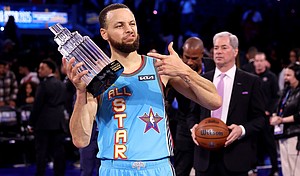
x=49, y=76
x=230, y=73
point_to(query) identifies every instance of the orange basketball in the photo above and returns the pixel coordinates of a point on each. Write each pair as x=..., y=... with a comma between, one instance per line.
x=211, y=133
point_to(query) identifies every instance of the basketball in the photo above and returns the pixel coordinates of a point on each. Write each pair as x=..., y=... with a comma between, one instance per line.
x=211, y=133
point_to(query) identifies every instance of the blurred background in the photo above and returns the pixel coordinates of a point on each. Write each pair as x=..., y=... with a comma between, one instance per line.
x=272, y=26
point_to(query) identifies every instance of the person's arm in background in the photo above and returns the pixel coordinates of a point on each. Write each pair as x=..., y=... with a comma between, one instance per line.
x=276, y=120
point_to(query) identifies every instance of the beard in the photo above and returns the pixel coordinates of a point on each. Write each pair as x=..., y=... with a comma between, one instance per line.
x=125, y=48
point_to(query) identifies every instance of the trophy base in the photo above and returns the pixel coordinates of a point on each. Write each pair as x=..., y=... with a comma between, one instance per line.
x=105, y=78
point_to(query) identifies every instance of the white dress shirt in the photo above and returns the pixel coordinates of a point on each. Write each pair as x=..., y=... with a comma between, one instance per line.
x=228, y=85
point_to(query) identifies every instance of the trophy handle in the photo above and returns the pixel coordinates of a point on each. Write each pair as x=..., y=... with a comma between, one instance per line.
x=105, y=78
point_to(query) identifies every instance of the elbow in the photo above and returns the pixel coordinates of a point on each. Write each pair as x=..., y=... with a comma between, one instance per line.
x=212, y=103
x=216, y=102
x=80, y=143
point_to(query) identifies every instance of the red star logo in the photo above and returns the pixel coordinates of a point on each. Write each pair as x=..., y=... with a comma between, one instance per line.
x=151, y=121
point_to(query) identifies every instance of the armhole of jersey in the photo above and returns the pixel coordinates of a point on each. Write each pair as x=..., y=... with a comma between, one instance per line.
x=159, y=79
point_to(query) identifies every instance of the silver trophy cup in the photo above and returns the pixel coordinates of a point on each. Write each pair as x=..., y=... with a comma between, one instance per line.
x=102, y=73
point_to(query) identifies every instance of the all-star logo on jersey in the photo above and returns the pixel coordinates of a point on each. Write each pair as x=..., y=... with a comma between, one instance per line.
x=151, y=121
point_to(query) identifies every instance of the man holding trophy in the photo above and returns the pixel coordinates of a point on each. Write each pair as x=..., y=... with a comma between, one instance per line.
x=134, y=137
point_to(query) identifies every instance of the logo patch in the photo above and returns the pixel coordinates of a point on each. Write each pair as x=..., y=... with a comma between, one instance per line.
x=138, y=165
x=146, y=77
x=151, y=121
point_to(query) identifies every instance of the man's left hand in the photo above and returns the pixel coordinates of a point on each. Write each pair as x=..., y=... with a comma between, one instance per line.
x=236, y=132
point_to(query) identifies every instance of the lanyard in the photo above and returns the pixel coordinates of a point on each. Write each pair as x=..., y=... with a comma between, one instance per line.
x=283, y=103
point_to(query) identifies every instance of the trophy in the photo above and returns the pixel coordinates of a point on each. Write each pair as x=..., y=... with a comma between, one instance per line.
x=102, y=73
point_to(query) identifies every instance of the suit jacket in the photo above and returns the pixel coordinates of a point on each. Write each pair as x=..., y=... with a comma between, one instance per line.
x=209, y=64
x=246, y=108
x=249, y=67
x=49, y=105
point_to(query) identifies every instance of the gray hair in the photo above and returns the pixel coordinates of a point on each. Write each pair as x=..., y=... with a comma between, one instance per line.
x=233, y=40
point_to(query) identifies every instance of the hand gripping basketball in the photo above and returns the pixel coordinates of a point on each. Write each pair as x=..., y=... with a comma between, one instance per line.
x=211, y=133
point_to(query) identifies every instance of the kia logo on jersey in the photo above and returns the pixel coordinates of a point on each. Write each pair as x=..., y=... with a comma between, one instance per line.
x=146, y=77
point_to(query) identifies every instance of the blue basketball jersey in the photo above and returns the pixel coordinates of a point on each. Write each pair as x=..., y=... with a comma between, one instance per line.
x=131, y=117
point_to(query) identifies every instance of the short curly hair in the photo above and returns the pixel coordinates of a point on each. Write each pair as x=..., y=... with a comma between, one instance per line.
x=51, y=64
x=103, y=13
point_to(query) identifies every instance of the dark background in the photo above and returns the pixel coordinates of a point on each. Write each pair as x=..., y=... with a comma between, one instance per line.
x=276, y=34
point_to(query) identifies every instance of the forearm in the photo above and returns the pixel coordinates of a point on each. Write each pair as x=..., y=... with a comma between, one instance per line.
x=82, y=118
x=276, y=120
x=203, y=90
x=287, y=119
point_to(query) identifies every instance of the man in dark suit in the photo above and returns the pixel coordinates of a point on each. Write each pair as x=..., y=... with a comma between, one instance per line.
x=271, y=97
x=242, y=110
x=47, y=120
x=249, y=66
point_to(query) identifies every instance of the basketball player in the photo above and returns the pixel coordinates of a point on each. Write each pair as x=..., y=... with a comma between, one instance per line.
x=129, y=143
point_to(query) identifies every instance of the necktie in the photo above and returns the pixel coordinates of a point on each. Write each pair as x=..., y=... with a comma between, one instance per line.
x=220, y=88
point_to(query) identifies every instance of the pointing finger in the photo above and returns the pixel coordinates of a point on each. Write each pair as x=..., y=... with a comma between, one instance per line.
x=156, y=56
x=170, y=48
